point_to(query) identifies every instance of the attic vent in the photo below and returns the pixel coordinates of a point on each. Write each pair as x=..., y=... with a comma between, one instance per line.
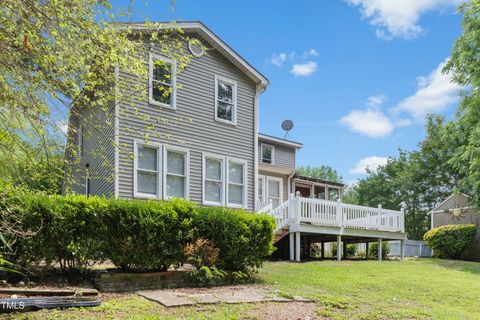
x=196, y=47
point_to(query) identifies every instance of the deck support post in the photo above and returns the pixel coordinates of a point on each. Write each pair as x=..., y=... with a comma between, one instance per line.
x=323, y=250
x=366, y=249
x=339, y=249
x=297, y=246
x=380, y=249
x=402, y=249
x=292, y=246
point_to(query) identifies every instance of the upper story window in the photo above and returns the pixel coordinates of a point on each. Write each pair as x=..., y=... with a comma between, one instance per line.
x=268, y=152
x=162, y=81
x=176, y=172
x=225, y=100
x=146, y=171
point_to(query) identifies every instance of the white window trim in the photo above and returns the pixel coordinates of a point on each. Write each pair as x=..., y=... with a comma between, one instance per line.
x=280, y=180
x=234, y=93
x=206, y=156
x=263, y=181
x=80, y=140
x=186, y=152
x=245, y=182
x=141, y=195
x=151, y=58
x=273, y=153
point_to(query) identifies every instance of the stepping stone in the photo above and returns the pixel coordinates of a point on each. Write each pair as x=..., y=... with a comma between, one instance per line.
x=167, y=298
x=205, y=298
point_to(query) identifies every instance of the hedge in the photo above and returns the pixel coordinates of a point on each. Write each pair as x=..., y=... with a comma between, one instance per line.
x=134, y=234
x=450, y=241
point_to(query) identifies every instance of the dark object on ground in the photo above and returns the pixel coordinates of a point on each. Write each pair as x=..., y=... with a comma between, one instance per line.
x=49, y=293
x=33, y=304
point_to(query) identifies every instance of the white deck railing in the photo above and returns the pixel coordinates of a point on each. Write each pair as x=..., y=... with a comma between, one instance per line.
x=330, y=213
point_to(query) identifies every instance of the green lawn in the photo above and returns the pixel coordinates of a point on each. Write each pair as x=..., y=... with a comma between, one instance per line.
x=412, y=289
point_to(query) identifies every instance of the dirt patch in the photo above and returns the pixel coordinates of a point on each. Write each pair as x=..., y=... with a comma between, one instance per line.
x=285, y=311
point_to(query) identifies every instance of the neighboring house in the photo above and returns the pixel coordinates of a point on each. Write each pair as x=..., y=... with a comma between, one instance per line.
x=457, y=210
x=206, y=148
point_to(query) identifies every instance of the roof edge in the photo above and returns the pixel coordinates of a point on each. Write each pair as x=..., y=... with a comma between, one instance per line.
x=210, y=36
x=290, y=143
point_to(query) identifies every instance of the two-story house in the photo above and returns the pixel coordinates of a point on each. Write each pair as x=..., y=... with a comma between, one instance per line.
x=199, y=140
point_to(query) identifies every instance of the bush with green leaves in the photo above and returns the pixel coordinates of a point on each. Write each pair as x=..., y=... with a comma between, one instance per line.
x=373, y=250
x=75, y=231
x=450, y=241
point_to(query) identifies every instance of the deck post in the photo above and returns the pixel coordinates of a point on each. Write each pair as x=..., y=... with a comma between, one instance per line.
x=380, y=249
x=339, y=250
x=297, y=246
x=323, y=250
x=366, y=249
x=402, y=249
x=292, y=246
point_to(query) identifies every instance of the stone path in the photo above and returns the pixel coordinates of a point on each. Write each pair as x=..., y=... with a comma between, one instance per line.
x=227, y=294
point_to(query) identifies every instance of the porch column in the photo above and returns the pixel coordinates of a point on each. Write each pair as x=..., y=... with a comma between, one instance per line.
x=366, y=249
x=292, y=246
x=380, y=249
x=297, y=246
x=402, y=249
x=323, y=250
x=339, y=249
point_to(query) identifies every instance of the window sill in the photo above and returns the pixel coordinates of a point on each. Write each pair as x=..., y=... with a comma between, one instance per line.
x=146, y=196
x=163, y=105
x=230, y=123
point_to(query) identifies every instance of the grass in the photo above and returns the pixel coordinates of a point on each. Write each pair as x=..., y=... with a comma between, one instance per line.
x=410, y=289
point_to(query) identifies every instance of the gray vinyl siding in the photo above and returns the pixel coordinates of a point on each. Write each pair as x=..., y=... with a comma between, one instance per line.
x=98, y=152
x=192, y=124
x=283, y=156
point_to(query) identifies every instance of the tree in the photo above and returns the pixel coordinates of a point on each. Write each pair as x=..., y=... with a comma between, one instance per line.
x=416, y=180
x=323, y=172
x=59, y=56
x=464, y=130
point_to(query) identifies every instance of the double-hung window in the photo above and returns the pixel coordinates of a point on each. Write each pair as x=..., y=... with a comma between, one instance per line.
x=236, y=183
x=146, y=171
x=162, y=81
x=214, y=178
x=225, y=100
x=176, y=172
x=267, y=153
x=224, y=181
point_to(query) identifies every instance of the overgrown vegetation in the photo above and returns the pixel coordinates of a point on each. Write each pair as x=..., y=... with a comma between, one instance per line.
x=450, y=241
x=75, y=231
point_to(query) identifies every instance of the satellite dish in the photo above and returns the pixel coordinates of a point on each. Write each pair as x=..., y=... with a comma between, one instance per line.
x=287, y=125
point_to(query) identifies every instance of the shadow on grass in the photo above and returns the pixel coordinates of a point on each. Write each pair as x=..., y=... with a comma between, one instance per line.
x=459, y=265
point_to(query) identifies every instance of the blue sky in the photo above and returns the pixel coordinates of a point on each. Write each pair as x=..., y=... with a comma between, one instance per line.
x=356, y=76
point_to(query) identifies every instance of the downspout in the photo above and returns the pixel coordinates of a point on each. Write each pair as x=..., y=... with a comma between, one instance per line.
x=289, y=184
x=259, y=90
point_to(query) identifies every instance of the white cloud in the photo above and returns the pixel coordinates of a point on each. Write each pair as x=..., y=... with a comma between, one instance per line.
x=371, y=122
x=62, y=125
x=376, y=100
x=371, y=163
x=394, y=18
x=310, y=53
x=279, y=59
x=304, y=69
x=435, y=93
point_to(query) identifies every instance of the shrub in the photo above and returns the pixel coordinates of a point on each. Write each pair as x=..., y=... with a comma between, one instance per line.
x=245, y=240
x=201, y=253
x=450, y=241
x=75, y=231
x=373, y=250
